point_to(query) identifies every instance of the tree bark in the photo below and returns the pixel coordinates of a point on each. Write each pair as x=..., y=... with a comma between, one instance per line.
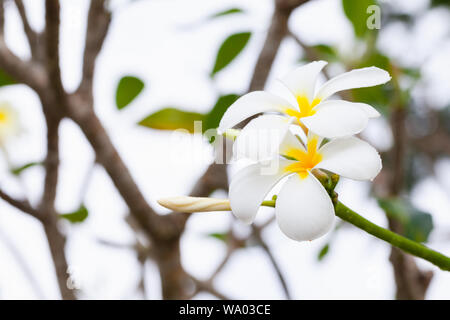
x=56, y=242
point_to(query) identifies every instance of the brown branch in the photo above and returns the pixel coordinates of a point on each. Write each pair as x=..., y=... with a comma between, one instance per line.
x=257, y=235
x=52, y=26
x=412, y=283
x=277, y=31
x=57, y=242
x=99, y=19
x=51, y=165
x=2, y=17
x=110, y=159
x=32, y=36
x=25, y=72
x=205, y=286
x=22, y=205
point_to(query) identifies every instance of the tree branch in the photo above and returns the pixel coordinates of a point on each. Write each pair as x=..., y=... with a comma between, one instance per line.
x=277, y=31
x=25, y=72
x=2, y=18
x=265, y=247
x=99, y=19
x=412, y=282
x=23, y=206
x=32, y=36
x=208, y=287
x=51, y=165
x=52, y=24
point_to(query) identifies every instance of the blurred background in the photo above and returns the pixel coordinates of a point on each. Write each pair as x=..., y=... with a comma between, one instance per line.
x=167, y=63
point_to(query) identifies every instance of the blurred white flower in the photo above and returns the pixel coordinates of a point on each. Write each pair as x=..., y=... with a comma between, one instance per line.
x=303, y=209
x=9, y=122
x=329, y=119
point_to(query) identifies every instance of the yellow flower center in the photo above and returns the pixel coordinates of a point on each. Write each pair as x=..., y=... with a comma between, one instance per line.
x=306, y=108
x=305, y=160
x=3, y=117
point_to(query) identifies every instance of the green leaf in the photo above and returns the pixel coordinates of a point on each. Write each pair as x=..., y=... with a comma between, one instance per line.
x=380, y=96
x=417, y=225
x=172, y=119
x=219, y=236
x=222, y=104
x=323, y=252
x=77, y=216
x=356, y=12
x=326, y=52
x=435, y=3
x=17, y=171
x=226, y=12
x=128, y=89
x=229, y=50
x=5, y=79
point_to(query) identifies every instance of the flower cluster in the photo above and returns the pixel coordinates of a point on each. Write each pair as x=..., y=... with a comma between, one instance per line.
x=326, y=141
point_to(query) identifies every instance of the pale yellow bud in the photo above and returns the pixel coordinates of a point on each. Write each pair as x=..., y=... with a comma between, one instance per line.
x=195, y=204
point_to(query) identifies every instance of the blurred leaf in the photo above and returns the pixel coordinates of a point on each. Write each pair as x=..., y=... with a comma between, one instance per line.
x=435, y=3
x=172, y=119
x=77, y=216
x=5, y=79
x=226, y=12
x=356, y=12
x=416, y=224
x=411, y=72
x=326, y=52
x=418, y=167
x=219, y=236
x=323, y=252
x=17, y=171
x=400, y=17
x=222, y=104
x=128, y=89
x=380, y=96
x=229, y=50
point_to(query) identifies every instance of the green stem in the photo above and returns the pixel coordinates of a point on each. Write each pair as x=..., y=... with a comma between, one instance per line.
x=393, y=238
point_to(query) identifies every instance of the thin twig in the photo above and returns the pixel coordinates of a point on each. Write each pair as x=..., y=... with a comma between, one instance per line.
x=99, y=19
x=31, y=35
x=208, y=287
x=27, y=271
x=22, y=205
x=265, y=247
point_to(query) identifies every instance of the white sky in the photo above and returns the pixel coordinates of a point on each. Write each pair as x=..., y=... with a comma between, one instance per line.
x=166, y=44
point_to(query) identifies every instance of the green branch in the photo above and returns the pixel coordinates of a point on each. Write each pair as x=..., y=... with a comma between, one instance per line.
x=393, y=238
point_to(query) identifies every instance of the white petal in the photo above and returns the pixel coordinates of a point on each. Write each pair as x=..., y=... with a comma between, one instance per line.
x=303, y=209
x=261, y=138
x=290, y=142
x=336, y=118
x=367, y=108
x=302, y=81
x=250, y=104
x=250, y=186
x=351, y=158
x=358, y=78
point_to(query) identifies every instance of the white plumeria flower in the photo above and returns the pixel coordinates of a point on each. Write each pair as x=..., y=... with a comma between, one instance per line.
x=327, y=118
x=303, y=209
x=9, y=122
